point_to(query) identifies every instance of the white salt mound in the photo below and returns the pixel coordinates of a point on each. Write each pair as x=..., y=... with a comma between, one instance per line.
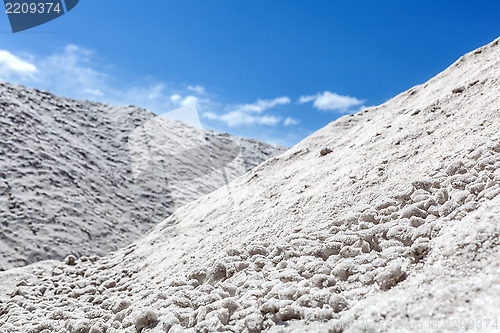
x=395, y=227
x=66, y=174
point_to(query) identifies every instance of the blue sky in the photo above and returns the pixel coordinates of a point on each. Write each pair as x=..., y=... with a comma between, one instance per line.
x=272, y=70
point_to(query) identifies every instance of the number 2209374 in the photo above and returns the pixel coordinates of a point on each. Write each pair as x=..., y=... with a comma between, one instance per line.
x=32, y=8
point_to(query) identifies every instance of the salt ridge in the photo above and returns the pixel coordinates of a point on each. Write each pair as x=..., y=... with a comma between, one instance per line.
x=66, y=180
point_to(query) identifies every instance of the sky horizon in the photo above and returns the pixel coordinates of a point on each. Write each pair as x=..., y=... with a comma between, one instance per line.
x=274, y=71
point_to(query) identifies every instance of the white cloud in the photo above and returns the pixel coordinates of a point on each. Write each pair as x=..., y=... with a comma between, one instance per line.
x=249, y=114
x=12, y=66
x=156, y=91
x=210, y=115
x=328, y=101
x=176, y=98
x=95, y=92
x=268, y=120
x=306, y=99
x=238, y=118
x=289, y=121
x=198, y=89
x=156, y=97
x=189, y=100
x=262, y=105
x=71, y=73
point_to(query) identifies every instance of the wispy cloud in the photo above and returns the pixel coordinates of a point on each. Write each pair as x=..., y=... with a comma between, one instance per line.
x=289, y=121
x=249, y=114
x=197, y=89
x=262, y=105
x=188, y=100
x=238, y=118
x=13, y=67
x=329, y=101
x=95, y=92
x=157, y=97
x=70, y=73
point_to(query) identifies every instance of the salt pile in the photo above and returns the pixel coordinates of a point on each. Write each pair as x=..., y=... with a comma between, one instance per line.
x=66, y=174
x=387, y=220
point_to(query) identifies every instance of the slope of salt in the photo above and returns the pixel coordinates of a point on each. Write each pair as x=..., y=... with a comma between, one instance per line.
x=66, y=180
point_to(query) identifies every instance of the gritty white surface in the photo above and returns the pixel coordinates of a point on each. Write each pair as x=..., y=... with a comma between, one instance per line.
x=66, y=181
x=397, y=226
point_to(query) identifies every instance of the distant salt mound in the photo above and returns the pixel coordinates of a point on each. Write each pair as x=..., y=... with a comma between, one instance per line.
x=383, y=221
x=66, y=180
